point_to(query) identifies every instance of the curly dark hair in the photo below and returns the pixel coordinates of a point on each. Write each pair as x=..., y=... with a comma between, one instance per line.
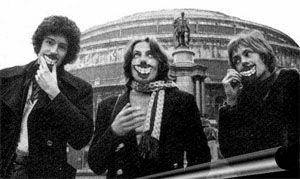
x=255, y=40
x=158, y=53
x=59, y=25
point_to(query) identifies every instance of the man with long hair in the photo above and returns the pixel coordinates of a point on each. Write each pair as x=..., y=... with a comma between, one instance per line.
x=147, y=129
x=43, y=107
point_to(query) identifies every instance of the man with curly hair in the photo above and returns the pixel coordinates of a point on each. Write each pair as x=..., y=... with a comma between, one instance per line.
x=43, y=107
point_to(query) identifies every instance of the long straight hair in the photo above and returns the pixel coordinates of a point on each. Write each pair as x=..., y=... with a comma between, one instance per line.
x=158, y=53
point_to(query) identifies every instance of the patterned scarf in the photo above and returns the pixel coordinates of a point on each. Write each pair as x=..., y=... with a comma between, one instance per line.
x=148, y=147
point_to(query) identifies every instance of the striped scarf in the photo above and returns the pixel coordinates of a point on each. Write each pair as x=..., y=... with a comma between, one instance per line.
x=148, y=147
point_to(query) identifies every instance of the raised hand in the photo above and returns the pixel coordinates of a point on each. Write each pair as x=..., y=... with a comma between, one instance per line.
x=46, y=79
x=232, y=86
x=129, y=118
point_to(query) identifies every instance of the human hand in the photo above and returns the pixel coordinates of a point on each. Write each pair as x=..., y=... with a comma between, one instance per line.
x=129, y=118
x=46, y=79
x=232, y=86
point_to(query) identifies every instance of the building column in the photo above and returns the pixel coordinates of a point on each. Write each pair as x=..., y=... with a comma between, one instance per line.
x=203, y=110
x=185, y=83
x=198, y=97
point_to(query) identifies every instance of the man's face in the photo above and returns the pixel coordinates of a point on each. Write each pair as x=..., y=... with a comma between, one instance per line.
x=249, y=64
x=144, y=66
x=55, y=48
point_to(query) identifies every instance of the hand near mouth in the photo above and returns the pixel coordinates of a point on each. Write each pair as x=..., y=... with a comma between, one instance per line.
x=232, y=86
x=50, y=59
x=248, y=71
x=46, y=79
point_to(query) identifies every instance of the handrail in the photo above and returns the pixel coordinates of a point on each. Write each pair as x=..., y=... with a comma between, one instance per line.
x=250, y=164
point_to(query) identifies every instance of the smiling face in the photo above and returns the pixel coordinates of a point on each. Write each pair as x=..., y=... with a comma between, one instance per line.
x=249, y=64
x=144, y=66
x=54, y=49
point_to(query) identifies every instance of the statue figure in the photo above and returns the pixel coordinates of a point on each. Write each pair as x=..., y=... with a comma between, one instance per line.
x=181, y=31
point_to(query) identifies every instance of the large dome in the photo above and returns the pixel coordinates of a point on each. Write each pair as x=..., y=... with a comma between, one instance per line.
x=102, y=46
x=165, y=14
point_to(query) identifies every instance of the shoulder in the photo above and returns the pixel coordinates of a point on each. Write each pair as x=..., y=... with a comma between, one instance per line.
x=108, y=101
x=289, y=72
x=76, y=81
x=12, y=71
x=177, y=94
x=288, y=75
x=8, y=72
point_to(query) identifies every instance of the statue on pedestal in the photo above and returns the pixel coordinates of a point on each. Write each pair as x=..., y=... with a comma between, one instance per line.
x=181, y=31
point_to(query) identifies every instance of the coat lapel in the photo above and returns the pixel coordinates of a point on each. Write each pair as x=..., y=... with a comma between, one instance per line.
x=13, y=95
x=123, y=100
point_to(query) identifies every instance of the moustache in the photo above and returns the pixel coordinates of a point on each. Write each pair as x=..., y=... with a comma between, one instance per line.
x=143, y=65
x=52, y=56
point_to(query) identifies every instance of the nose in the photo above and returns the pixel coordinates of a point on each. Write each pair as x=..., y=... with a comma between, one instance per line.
x=143, y=63
x=54, y=49
x=244, y=61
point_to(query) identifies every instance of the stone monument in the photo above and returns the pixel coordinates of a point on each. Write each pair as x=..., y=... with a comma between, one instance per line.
x=189, y=75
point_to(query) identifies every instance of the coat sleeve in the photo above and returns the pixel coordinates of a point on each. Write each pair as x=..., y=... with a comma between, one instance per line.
x=74, y=116
x=196, y=146
x=101, y=153
x=287, y=156
x=228, y=124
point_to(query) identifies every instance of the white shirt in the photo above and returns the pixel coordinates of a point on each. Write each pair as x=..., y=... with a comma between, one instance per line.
x=23, y=140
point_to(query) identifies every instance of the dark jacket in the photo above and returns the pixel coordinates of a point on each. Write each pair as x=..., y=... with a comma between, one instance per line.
x=266, y=116
x=181, y=130
x=51, y=124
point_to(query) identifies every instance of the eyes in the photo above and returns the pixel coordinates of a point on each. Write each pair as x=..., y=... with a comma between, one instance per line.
x=237, y=58
x=137, y=54
x=51, y=42
x=246, y=53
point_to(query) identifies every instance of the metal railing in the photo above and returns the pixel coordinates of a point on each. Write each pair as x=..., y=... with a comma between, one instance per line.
x=252, y=164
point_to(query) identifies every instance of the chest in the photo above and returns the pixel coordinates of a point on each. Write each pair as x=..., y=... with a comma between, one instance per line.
x=140, y=99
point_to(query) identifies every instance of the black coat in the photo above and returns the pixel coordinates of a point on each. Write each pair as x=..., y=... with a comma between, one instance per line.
x=266, y=116
x=51, y=124
x=181, y=130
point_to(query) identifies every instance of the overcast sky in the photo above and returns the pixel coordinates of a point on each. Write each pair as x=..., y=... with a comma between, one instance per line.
x=19, y=18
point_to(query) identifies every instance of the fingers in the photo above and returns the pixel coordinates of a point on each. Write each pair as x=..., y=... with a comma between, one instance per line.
x=43, y=64
x=128, y=119
x=231, y=76
x=129, y=114
x=138, y=117
x=40, y=72
x=136, y=126
x=37, y=78
x=128, y=109
x=46, y=79
x=54, y=71
x=37, y=75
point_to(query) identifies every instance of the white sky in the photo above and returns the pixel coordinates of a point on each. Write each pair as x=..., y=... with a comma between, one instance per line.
x=19, y=18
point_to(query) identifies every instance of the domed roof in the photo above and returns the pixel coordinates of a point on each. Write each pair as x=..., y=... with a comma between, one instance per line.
x=167, y=14
x=192, y=14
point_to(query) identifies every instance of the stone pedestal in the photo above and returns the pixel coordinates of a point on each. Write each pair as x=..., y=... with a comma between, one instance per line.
x=189, y=76
x=183, y=55
x=185, y=83
x=183, y=61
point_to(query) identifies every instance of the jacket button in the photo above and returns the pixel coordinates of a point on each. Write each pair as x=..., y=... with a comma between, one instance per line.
x=120, y=172
x=49, y=143
x=175, y=165
x=121, y=145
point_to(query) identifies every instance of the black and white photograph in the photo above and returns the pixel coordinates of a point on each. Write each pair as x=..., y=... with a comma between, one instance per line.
x=149, y=89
